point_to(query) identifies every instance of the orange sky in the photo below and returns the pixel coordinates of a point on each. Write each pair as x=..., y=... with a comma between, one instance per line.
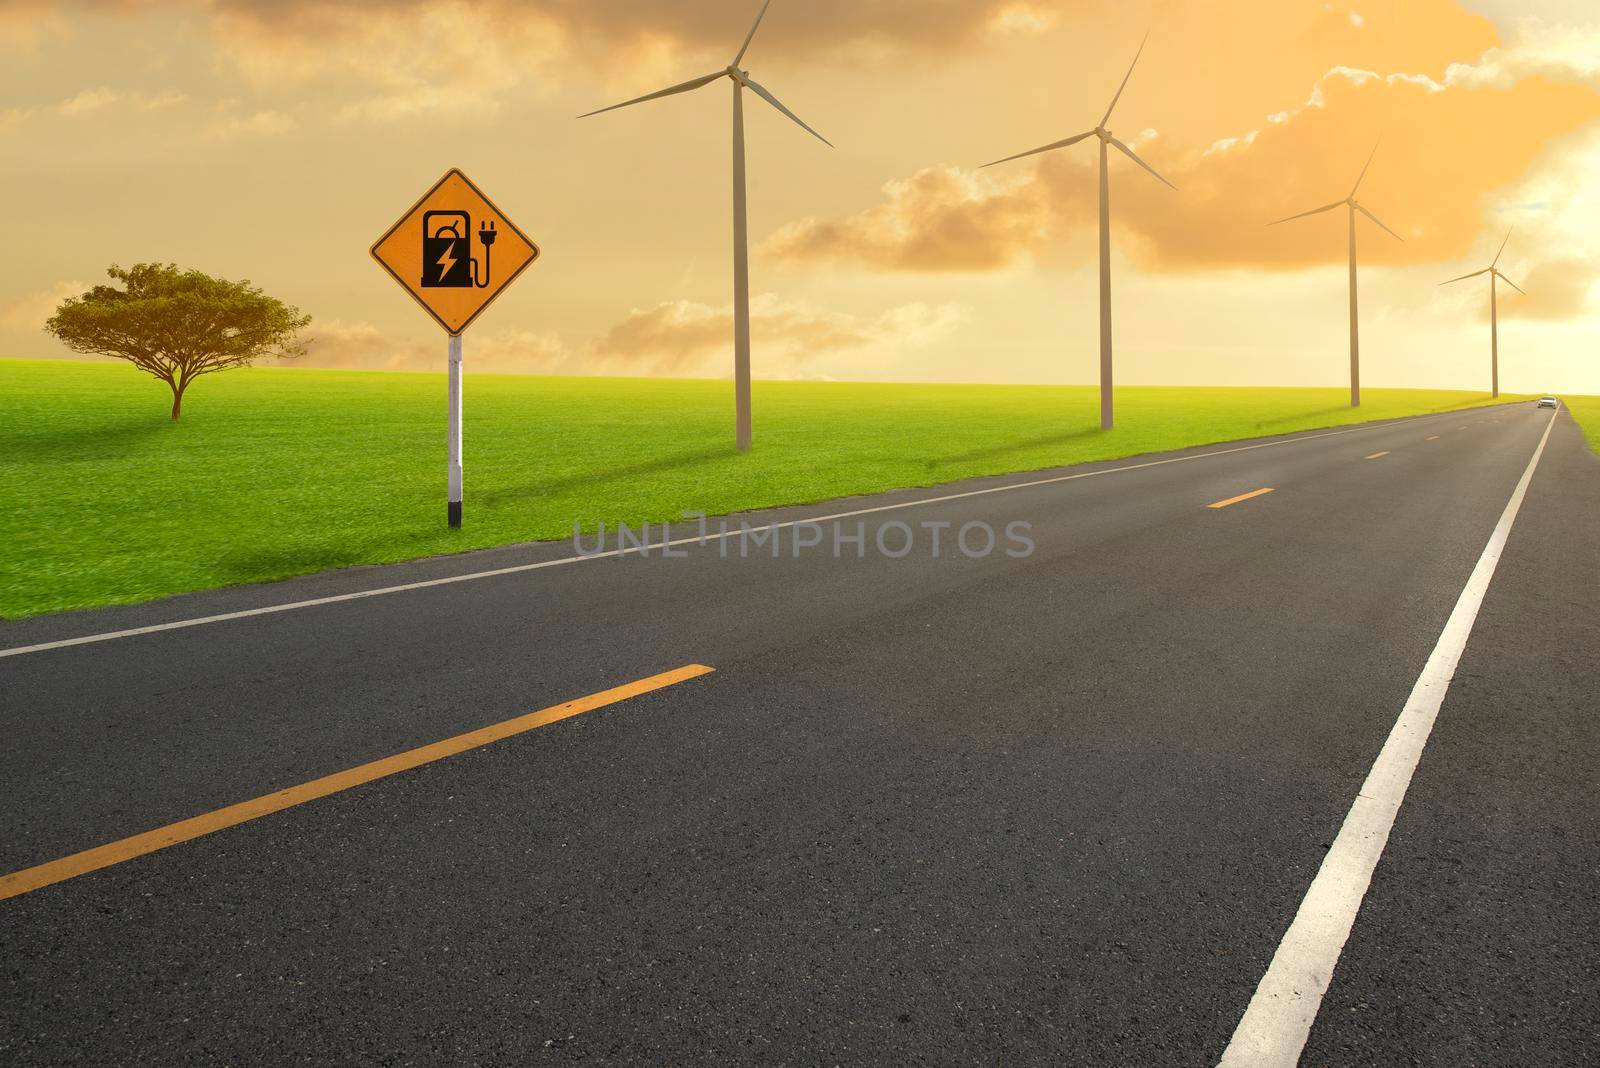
x=275, y=139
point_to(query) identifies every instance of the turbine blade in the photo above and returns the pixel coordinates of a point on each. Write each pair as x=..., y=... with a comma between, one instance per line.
x=1043, y=148
x=1510, y=283
x=1125, y=78
x=769, y=98
x=1375, y=219
x=751, y=36
x=1313, y=211
x=1502, y=251
x=1464, y=277
x=669, y=91
x=1364, y=170
x=1126, y=151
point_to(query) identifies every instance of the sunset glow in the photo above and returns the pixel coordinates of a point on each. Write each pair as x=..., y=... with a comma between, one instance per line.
x=273, y=141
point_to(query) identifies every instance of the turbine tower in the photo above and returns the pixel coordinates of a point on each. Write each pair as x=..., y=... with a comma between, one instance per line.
x=1107, y=142
x=1355, y=313
x=741, y=242
x=1493, y=271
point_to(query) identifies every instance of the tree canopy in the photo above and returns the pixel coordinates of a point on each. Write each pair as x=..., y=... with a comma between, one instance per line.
x=178, y=325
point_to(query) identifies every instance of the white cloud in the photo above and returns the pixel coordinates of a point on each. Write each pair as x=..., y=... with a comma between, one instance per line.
x=1023, y=18
x=1554, y=219
x=1559, y=53
x=87, y=102
x=264, y=123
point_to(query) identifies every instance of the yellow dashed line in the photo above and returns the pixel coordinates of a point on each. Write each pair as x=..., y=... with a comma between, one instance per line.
x=1241, y=497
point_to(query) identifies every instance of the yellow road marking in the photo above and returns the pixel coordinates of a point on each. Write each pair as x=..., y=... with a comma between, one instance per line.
x=1377, y=456
x=1434, y=437
x=55, y=871
x=1241, y=497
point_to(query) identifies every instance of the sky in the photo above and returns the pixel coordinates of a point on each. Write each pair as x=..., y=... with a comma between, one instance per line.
x=275, y=140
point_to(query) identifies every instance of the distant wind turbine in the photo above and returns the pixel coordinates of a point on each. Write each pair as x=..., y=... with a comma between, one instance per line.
x=1355, y=315
x=1493, y=271
x=1107, y=142
x=741, y=242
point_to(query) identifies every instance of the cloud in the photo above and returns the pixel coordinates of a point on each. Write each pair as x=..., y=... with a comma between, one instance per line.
x=29, y=311
x=674, y=337
x=614, y=32
x=400, y=59
x=406, y=59
x=680, y=337
x=939, y=219
x=1553, y=253
x=387, y=60
x=264, y=123
x=341, y=345
x=1558, y=287
x=1540, y=50
x=338, y=344
x=24, y=22
x=167, y=98
x=1483, y=127
x=87, y=102
x=1024, y=18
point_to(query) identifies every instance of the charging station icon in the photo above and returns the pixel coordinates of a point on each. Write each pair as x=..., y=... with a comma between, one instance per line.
x=447, y=260
x=454, y=251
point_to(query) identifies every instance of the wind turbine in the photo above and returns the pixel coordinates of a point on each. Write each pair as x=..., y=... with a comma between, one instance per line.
x=1493, y=271
x=1355, y=315
x=741, y=241
x=1107, y=142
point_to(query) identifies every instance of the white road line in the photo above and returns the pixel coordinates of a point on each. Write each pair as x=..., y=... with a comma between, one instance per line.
x=1275, y=1027
x=341, y=598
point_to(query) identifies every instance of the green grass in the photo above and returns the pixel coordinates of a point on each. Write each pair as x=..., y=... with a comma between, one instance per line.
x=1586, y=410
x=276, y=472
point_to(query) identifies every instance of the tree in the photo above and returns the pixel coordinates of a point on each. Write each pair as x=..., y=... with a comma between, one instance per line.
x=178, y=325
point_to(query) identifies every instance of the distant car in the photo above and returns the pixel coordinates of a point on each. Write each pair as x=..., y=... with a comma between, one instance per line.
x=1548, y=402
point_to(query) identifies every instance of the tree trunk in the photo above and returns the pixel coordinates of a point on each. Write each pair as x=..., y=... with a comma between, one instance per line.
x=177, y=400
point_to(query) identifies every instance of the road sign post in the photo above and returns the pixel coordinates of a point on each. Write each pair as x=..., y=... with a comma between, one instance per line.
x=454, y=252
x=454, y=478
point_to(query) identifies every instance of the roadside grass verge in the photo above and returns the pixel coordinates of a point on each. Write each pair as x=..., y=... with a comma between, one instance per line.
x=280, y=472
x=1586, y=410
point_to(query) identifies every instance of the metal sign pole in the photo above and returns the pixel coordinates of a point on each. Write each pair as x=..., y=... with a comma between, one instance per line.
x=455, y=431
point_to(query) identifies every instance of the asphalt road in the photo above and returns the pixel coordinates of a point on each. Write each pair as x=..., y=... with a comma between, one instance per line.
x=1057, y=808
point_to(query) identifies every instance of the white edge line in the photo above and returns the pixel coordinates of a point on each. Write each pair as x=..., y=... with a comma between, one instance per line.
x=1275, y=1027
x=199, y=621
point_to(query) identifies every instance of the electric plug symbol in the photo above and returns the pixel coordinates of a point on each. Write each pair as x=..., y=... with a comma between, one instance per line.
x=486, y=234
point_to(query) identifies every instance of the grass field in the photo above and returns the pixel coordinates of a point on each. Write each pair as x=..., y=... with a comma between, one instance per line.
x=276, y=472
x=1586, y=410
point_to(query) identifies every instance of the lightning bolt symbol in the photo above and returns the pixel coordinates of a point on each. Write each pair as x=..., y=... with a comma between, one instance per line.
x=447, y=261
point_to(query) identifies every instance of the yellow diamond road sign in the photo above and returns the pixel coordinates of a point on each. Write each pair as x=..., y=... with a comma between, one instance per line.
x=455, y=252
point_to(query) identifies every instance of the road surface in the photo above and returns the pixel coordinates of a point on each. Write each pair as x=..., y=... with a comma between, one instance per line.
x=1056, y=808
